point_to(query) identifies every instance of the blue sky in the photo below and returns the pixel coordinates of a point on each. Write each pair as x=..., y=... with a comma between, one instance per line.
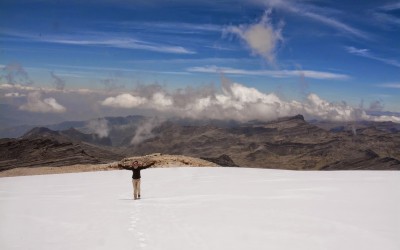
x=343, y=51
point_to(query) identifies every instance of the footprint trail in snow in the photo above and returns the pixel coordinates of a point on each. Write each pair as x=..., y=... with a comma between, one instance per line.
x=136, y=225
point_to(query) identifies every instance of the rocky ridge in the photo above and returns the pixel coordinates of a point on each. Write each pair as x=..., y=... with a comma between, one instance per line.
x=285, y=143
x=160, y=160
x=45, y=147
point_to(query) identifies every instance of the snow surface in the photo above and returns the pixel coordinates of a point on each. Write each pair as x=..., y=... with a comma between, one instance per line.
x=202, y=208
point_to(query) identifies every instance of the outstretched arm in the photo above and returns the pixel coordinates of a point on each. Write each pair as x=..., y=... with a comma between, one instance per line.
x=149, y=165
x=118, y=166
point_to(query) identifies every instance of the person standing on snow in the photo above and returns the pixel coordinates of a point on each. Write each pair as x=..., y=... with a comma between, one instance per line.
x=135, y=166
x=136, y=177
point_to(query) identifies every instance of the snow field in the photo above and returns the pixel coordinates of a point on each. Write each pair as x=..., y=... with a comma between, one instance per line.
x=202, y=208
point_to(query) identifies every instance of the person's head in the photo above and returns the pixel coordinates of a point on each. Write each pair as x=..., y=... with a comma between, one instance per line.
x=135, y=164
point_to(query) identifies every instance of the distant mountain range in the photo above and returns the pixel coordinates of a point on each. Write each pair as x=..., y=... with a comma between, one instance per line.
x=44, y=147
x=286, y=143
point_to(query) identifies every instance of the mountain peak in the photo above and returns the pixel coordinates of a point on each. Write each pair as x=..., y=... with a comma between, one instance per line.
x=298, y=117
x=40, y=132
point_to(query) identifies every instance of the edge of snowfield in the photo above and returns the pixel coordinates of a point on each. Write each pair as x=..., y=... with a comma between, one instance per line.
x=160, y=160
x=202, y=208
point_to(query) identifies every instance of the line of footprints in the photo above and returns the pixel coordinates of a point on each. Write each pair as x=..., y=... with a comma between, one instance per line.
x=134, y=227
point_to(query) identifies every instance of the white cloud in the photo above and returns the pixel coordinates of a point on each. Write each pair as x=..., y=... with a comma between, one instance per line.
x=355, y=51
x=14, y=94
x=231, y=101
x=367, y=54
x=145, y=130
x=124, y=100
x=262, y=38
x=244, y=94
x=18, y=87
x=317, y=107
x=239, y=102
x=160, y=100
x=383, y=118
x=157, y=101
x=272, y=73
x=99, y=127
x=6, y=86
x=243, y=103
x=36, y=104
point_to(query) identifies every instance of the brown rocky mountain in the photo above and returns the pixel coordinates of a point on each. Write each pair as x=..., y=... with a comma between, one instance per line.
x=386, y=126
x=45, y=147
x=286, y=143
x=364, y=160
x=68, y=134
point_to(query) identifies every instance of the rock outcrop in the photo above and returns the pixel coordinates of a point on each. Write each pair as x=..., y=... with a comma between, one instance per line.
x=165, y=160
x=222, y=160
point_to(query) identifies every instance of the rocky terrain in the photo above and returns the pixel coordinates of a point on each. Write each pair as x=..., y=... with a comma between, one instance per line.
x=286, y=143
x=163, y=161
x=44, y=147
x=222, y=160
x=160, y=161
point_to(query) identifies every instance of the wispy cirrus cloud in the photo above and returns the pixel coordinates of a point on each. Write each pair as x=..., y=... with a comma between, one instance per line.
x=384, y=14
x=169, y=27
x=308, y=11
x=367, y=54
x=391, y=6
x=121, y=41
x=393, y=85
x=46, y=90
x=85, y=69
x=386, y=19
x=321, y=75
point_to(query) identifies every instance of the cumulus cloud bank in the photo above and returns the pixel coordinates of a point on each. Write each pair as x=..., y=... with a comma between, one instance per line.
x=239, y=102
x=262, y=38
x=35, y=103
x=124, y=100
x=231, y=100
